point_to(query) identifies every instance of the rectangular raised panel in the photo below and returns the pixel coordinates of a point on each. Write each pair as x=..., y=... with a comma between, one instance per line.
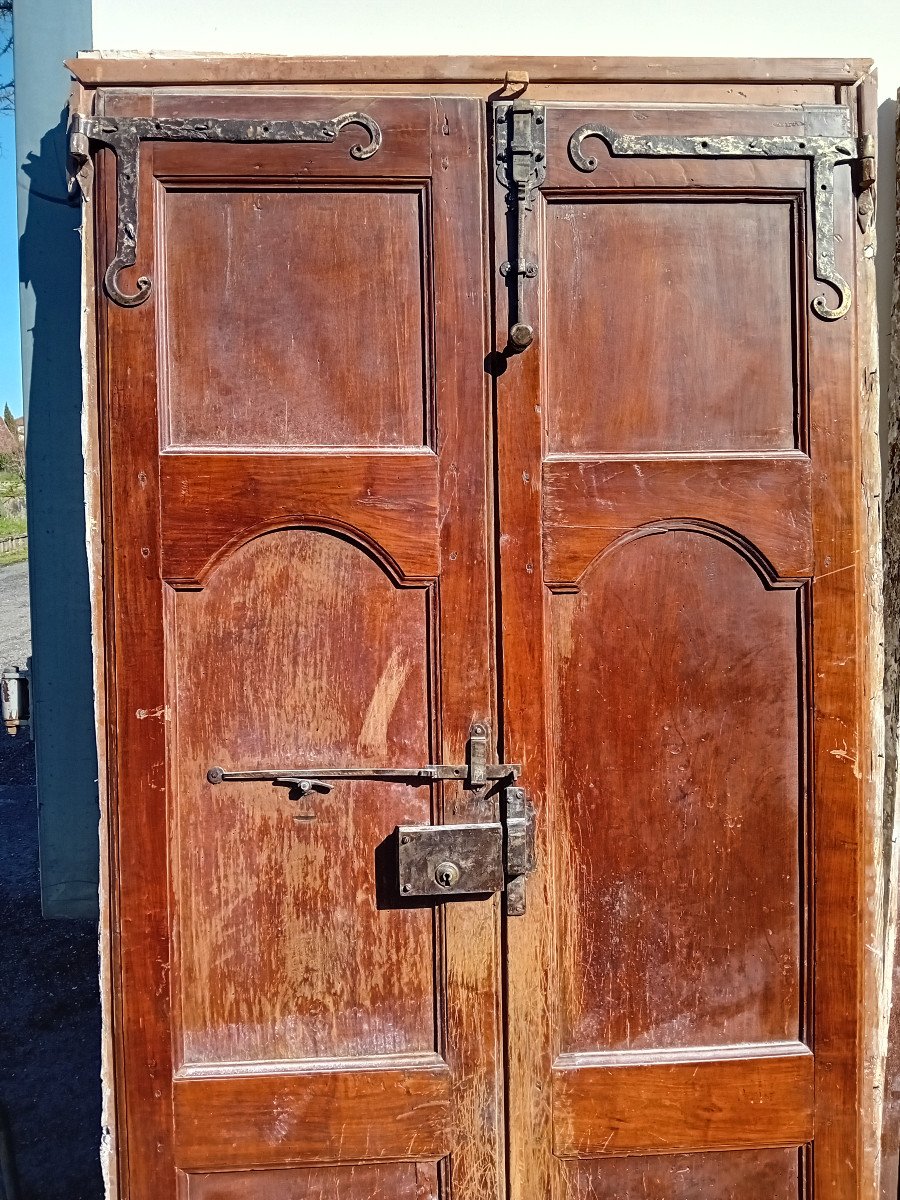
x=643, y=295
x=243, y=367
x=741, y=1175
x=211, y=502
x=617, y=1104
x=322, y=1116
x=352, y=1181
x=589, y=503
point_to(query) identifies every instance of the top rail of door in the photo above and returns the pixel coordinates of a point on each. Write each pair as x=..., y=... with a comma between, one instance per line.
x=95, y=69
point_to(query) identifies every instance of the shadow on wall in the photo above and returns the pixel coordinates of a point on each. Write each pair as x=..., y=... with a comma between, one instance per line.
x=62, y=687
x=50, y=1103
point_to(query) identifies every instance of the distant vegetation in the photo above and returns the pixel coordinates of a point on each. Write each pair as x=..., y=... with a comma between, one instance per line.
x=12, y=450
x=6, y=38
x=12, y=487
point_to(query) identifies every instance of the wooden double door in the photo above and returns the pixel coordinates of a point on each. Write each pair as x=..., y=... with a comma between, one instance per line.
x=357, y=533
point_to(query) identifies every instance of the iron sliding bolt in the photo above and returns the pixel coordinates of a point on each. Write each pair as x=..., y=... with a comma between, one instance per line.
x=520, y=138
x=476, y=772
x=307, y=779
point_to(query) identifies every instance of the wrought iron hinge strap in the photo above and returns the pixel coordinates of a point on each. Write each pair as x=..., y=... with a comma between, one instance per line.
x=824, y=152
x=520, y=141
x=124, y=136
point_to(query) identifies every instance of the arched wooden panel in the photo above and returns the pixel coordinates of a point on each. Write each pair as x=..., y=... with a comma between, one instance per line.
x=678, y=786
x=299, y=651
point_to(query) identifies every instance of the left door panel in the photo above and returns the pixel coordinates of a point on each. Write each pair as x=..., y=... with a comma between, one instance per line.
x=298, y=576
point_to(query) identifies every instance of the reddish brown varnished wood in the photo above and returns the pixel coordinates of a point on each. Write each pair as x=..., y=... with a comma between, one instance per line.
x=267, y=383
x=737, y=1175
x=268, y=1120
x=679, y=748
x=300, y=546
x=626, y=1104
x=638, y=402
x=841, y=743
x=375, y=1181
x=689, y=840
x=262, y=915
x=299, y=573
x=763, y=504
x=213, y=503
x=133, y=617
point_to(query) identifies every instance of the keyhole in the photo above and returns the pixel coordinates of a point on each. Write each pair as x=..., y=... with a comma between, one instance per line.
x=446, y=874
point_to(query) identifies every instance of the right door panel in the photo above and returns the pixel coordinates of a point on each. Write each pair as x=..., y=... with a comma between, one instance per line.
x=679, y=524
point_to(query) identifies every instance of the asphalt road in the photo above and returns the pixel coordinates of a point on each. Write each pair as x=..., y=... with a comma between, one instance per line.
x=49, y=1000
x=15, y=631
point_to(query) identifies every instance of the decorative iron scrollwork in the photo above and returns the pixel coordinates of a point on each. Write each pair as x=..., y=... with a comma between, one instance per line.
x=824, y=152
x=124, y=136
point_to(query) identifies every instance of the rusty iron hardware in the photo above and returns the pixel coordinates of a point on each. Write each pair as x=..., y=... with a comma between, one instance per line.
x=477, y=772
x=439, y=860
x=521, y=149
x=471, y=860
x=520, y=855
x=866, y=146
x=15, y=700
x=824, y=152
x=450, y=860
x=865, y=209
x=123, y=135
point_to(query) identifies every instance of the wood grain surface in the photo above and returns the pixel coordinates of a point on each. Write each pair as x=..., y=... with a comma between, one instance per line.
x=339, y=526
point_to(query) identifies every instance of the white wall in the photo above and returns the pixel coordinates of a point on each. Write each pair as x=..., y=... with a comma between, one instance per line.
x=644, y=28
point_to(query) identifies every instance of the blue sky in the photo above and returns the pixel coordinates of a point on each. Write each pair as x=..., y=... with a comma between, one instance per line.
x=10, y=360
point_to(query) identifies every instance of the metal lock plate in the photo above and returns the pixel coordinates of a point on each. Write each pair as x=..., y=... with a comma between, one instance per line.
x=450, y=860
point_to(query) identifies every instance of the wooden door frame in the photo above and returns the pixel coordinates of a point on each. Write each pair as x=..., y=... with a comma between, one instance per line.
x=848, y=81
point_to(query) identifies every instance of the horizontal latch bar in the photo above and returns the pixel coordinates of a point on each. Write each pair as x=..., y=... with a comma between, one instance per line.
x=475, y=773
x=432, y=772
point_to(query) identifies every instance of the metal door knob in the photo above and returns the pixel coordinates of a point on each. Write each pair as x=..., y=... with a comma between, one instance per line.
x=520, y=337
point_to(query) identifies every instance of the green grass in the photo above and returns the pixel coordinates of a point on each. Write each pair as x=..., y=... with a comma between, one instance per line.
x=12, y=526
x=13, y=556
x=10, y=485
x=11, y=488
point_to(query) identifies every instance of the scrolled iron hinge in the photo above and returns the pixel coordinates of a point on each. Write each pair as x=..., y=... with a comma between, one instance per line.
x=123, y=135
x=824, y=152
x=521, y=150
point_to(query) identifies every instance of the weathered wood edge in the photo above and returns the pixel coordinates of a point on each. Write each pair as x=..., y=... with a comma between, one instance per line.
x=79, y=102
x=889, y=1009
x=875, y=853
x=94, y=69
x=882, y=598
